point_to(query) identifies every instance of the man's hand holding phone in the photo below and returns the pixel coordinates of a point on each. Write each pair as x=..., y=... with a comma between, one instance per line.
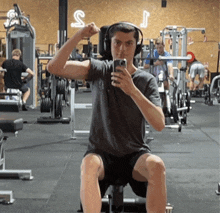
x=121, y=78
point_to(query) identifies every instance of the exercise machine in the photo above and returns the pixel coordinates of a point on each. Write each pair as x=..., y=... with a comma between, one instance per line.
x=180, y=97
x=212, y=92
x=53, y=94
x=10, y=127
x=11, y=99
x=20, y=34
x=114, y=201
x=73, y=107
x=173, y=104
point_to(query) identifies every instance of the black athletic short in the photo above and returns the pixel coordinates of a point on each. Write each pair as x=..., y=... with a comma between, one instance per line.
x=120, y=167
x=24, y=88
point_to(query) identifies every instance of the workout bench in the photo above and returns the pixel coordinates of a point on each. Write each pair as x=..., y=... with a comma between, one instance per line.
x=11, y=103
x=115, y=202
x=10, y=127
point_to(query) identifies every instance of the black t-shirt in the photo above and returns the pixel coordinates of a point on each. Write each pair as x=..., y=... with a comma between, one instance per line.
x=14, y=69
x=118, y=126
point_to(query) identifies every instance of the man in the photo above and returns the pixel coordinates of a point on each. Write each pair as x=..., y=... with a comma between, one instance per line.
x=116, y=146
x=13, y=76
x=165, y=66
x=195, y=68
x=78, y=55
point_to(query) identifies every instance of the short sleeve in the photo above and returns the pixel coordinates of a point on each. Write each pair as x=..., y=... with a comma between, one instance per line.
x=168, y=61
x=24, y=68
x=97, y=69
x=147, y=61
x=152, y=92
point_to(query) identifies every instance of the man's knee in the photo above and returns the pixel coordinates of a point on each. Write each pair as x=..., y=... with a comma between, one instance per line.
x=201, y=79
x=155, y=166
x=92, y=165
x=192, y=79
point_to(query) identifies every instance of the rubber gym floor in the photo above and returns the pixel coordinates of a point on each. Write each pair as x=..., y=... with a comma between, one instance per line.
x=191, y=158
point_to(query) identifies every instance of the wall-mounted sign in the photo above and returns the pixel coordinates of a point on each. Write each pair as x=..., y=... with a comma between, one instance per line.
x=146, y=15
x=11, y=14
x=79, y=14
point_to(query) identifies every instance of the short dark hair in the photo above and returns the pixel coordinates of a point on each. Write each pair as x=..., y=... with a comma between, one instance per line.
x=125, y=28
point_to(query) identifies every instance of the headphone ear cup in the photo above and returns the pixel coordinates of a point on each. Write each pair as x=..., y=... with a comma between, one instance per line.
x=138, y=49
x=107, y=45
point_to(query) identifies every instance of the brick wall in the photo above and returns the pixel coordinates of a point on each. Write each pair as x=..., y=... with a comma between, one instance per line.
x=44, y=17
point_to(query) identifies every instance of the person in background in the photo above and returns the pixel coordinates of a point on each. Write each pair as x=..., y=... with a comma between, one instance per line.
x=195, y=68
x=13, y=76
x=78, y=55
x=165, y=65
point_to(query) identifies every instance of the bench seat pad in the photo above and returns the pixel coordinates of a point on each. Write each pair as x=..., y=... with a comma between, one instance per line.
x=11, y=125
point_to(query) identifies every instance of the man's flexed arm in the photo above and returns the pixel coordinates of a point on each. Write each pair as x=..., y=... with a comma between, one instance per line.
x=72, y=69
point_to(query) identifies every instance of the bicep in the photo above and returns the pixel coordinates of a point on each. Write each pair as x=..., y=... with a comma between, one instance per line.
x=75, y=70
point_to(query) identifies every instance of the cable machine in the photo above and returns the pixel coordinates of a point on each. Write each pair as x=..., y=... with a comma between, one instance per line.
x=20, y=34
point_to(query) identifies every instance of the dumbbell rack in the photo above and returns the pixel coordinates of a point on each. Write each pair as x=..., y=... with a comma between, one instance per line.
x=53, y=104
x=7, y=128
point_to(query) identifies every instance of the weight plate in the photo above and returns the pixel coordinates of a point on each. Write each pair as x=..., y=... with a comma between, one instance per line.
x=61, y=86
x=174, y=112
x=58, y=106
x=45, y=105
x=184, y=119
x=188, y=98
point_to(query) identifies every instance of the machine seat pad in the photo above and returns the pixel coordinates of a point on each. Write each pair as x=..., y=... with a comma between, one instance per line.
x=118, y=182
x=11, y=125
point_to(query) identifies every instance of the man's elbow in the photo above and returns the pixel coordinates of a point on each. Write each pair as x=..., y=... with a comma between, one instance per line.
x=161, y=125
x=50, y=68
x=53, y=69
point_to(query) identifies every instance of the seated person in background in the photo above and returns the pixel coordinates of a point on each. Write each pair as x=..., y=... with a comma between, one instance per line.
x=166, y=66
x=122, y=101
x=78, y=55
x=13, y=78
x=195, y=68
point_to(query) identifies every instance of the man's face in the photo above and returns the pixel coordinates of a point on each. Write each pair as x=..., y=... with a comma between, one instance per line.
x=123, y=45
x=160, y=49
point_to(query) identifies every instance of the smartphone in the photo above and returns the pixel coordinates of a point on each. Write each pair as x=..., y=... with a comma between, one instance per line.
x=120, y=63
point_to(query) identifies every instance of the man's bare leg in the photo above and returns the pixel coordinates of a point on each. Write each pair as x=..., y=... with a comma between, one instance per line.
x=26, y=95
x=152, y=169
x=200, y=85
x=92, y=170
x=192, y=84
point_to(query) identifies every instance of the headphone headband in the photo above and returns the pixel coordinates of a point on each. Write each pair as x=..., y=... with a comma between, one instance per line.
x=127, y=23
x=107, y=41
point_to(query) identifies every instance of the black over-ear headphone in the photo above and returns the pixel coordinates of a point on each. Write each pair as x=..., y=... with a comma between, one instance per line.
x=107, y=41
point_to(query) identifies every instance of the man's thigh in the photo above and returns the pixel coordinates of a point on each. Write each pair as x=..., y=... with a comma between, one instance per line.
x=139, y=172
